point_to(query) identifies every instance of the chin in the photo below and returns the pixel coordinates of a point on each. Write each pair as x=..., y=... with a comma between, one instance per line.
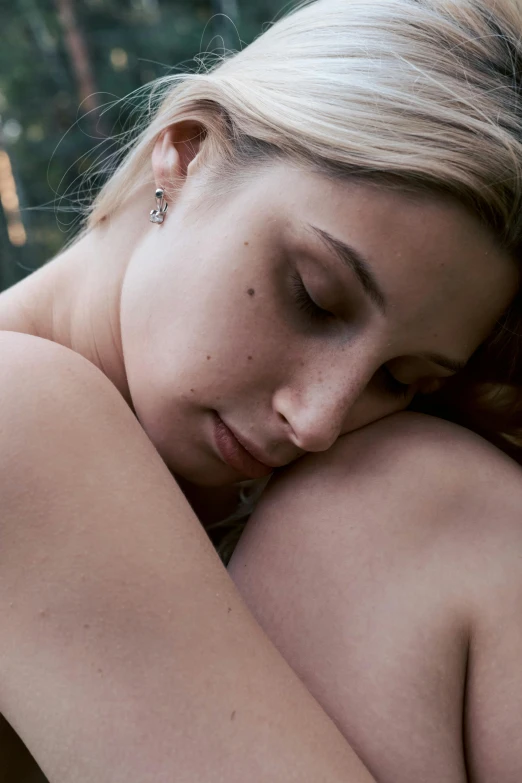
x=203, y=477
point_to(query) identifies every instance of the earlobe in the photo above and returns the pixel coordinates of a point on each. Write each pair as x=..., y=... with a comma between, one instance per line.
x=158, y=215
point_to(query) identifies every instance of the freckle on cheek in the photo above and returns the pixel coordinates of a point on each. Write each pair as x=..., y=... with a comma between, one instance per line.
x=192, y=390
x=247, y=243
x=251, y=292
x=209, y=357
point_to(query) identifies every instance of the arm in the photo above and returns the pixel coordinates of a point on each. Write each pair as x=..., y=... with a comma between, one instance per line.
x=126, y=653
x=493, y=712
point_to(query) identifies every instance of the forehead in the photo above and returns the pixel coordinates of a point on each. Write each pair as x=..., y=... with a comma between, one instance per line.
x=440, y=268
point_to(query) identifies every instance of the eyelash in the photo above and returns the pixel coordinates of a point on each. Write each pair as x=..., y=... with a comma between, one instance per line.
x=391, y=384
x=305, y=303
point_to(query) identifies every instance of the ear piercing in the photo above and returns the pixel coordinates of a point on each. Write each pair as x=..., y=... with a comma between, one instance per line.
x=158, y=215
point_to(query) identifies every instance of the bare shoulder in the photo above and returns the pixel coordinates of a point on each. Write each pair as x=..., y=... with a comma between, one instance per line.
x=47, y=388
x=59, y=413
x=20, y=347
x=414, y=440
x=409, y=532
x=459, y=471
x=422, y=463
x=433, y=488
x=34, y=366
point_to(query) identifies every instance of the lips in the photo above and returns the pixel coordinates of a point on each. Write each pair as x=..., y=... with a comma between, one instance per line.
x=235, y=454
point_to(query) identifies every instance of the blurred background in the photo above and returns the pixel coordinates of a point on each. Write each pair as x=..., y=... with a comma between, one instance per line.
x=62, y=62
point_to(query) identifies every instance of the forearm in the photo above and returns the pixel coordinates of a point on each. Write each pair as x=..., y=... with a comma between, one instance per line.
x=128, y=653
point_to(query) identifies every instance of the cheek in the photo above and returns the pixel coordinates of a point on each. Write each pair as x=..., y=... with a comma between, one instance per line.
x=195, y=357
x=203, y=337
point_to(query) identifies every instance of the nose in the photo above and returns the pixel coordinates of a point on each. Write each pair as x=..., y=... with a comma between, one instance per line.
x=316, y=404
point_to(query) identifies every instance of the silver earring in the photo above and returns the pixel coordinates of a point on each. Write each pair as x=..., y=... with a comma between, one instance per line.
x=158, y=215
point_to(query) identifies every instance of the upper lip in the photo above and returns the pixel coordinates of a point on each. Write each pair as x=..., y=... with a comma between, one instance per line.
x=256, y=453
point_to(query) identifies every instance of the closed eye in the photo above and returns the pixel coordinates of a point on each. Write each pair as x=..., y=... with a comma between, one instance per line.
x=305, y=303
x=316, y=313
x=390, y=384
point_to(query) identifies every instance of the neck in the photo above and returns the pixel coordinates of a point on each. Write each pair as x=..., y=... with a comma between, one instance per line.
x=210, y=504
x=74, y=299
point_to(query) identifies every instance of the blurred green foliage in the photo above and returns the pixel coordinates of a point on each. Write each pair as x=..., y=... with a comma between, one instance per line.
x=56, y=58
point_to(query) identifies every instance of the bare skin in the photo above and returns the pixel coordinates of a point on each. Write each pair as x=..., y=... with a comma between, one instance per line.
x=199, y=314
x=168, y=315
x=387, y=572
x=127, y=654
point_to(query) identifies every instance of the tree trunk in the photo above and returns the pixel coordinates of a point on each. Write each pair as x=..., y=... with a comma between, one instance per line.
x=79, y=56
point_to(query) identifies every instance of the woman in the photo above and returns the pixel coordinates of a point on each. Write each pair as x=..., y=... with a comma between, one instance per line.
x=317, y=234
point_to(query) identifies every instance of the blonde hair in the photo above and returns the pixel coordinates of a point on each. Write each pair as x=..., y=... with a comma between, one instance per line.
x=419, y=95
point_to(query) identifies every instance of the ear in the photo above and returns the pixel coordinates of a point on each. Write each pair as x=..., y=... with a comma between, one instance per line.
x=176, y=148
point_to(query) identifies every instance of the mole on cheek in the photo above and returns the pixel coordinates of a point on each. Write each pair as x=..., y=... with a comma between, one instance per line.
x=209, y=357
x=249, y=358
x=251, y=292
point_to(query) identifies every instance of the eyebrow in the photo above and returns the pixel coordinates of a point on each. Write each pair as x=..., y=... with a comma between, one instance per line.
x=357, y=263
x=360, y=265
